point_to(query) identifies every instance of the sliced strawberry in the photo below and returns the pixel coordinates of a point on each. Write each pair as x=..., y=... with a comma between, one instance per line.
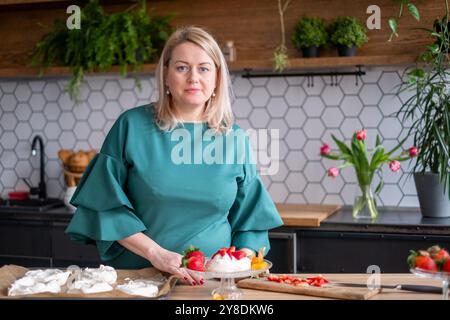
x=239, y=254
x=221, y=252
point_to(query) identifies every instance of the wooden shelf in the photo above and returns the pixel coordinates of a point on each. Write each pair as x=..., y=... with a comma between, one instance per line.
x=295, y=64
x=25, y=2
x=327, y=62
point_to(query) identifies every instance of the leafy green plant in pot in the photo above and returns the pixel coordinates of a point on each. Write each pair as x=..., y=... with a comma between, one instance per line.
x=309, y=35
x=428, y=110
x=347, y=33
x=125, y=39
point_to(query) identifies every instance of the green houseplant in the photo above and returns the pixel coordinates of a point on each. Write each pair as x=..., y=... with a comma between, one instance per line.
x=280, y=57
x=428, y=110
x=128, y=38
x=347, y=33
x=309, y=34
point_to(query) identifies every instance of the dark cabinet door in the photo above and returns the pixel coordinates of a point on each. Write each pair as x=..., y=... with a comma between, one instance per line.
x=66, y=252
x=283, y=252
x=353, y=252
x=25, y=238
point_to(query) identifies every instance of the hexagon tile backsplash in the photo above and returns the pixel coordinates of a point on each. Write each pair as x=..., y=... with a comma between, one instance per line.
x=305, y=116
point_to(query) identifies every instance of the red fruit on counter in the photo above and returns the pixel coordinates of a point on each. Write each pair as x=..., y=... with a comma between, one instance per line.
x=422, y=260
x=446, y=266
x=438, y=254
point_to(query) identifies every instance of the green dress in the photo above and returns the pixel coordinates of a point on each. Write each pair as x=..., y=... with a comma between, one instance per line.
x=134, y=185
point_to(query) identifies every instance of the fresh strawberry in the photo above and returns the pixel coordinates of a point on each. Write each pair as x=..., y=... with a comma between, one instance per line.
x=194, y=252
x=422, y=260
x=438, y=254
x=194, y=264
x=193, y=259
x=446, y=266
x=239, y=254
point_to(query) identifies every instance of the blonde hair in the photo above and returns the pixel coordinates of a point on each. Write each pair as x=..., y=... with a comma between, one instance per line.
x=218, y=112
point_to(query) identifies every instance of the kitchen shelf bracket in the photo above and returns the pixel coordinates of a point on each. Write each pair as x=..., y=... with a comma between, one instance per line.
x=334, y=75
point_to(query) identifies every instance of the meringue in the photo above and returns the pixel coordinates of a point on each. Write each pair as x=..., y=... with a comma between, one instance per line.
x=227, y=263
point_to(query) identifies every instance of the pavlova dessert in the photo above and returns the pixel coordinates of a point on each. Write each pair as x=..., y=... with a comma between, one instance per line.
x=224, y=260
x=229, y=260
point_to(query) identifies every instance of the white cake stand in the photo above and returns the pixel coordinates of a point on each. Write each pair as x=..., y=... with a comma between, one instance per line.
x=227, y=288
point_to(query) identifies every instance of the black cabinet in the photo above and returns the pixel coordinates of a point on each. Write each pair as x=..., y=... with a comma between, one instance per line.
x=66, y=252
x=283, y=252
x=343, y=244
x=25, y=243
x=42, y=243
x=354, y=252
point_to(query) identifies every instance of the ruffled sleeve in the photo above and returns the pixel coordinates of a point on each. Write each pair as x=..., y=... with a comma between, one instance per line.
x=104, y=213
x=253, y=212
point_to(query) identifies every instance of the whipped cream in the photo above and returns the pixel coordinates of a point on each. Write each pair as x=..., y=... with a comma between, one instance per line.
x=226, y=263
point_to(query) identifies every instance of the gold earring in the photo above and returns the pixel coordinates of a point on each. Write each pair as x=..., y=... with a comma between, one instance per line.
x=213, y=94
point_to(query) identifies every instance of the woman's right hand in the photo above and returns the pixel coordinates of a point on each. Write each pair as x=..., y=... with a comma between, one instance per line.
x=169, y=261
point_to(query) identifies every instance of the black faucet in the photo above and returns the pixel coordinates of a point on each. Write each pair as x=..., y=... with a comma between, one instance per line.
x=41, y=190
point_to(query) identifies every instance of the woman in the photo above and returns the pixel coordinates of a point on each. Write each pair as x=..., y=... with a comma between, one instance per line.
x=143, y=201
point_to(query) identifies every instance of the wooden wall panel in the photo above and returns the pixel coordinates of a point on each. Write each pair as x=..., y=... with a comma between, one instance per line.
x=252, y=24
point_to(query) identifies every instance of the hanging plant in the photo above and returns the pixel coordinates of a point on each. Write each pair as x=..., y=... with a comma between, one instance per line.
x=280, y=56
x=126, y=39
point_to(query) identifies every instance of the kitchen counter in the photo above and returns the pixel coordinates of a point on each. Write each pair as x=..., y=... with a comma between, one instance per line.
x=185, y=292
x=395, y=219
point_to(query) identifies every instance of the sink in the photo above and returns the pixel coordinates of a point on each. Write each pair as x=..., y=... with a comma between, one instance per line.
x=34, y=205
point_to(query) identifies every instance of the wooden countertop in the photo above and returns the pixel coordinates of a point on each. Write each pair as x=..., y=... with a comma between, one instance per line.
x=185, y=292
x=305, y=215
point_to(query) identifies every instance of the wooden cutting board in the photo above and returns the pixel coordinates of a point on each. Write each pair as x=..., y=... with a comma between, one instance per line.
x=305, y=215
x=327, y=291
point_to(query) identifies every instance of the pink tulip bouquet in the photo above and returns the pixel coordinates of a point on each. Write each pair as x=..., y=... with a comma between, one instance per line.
x=365, y=166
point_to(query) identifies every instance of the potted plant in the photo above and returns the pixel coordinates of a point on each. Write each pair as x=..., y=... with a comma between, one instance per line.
x=128, y=38
x=428, y=109
x=347, y=33
x=309, y=35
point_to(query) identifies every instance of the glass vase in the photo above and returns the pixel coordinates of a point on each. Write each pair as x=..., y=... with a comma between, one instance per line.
x=365, y=206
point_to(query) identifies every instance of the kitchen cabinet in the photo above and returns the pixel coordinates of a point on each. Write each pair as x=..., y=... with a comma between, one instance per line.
x=338, y=244
x=341, y=244
x=41, y=242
